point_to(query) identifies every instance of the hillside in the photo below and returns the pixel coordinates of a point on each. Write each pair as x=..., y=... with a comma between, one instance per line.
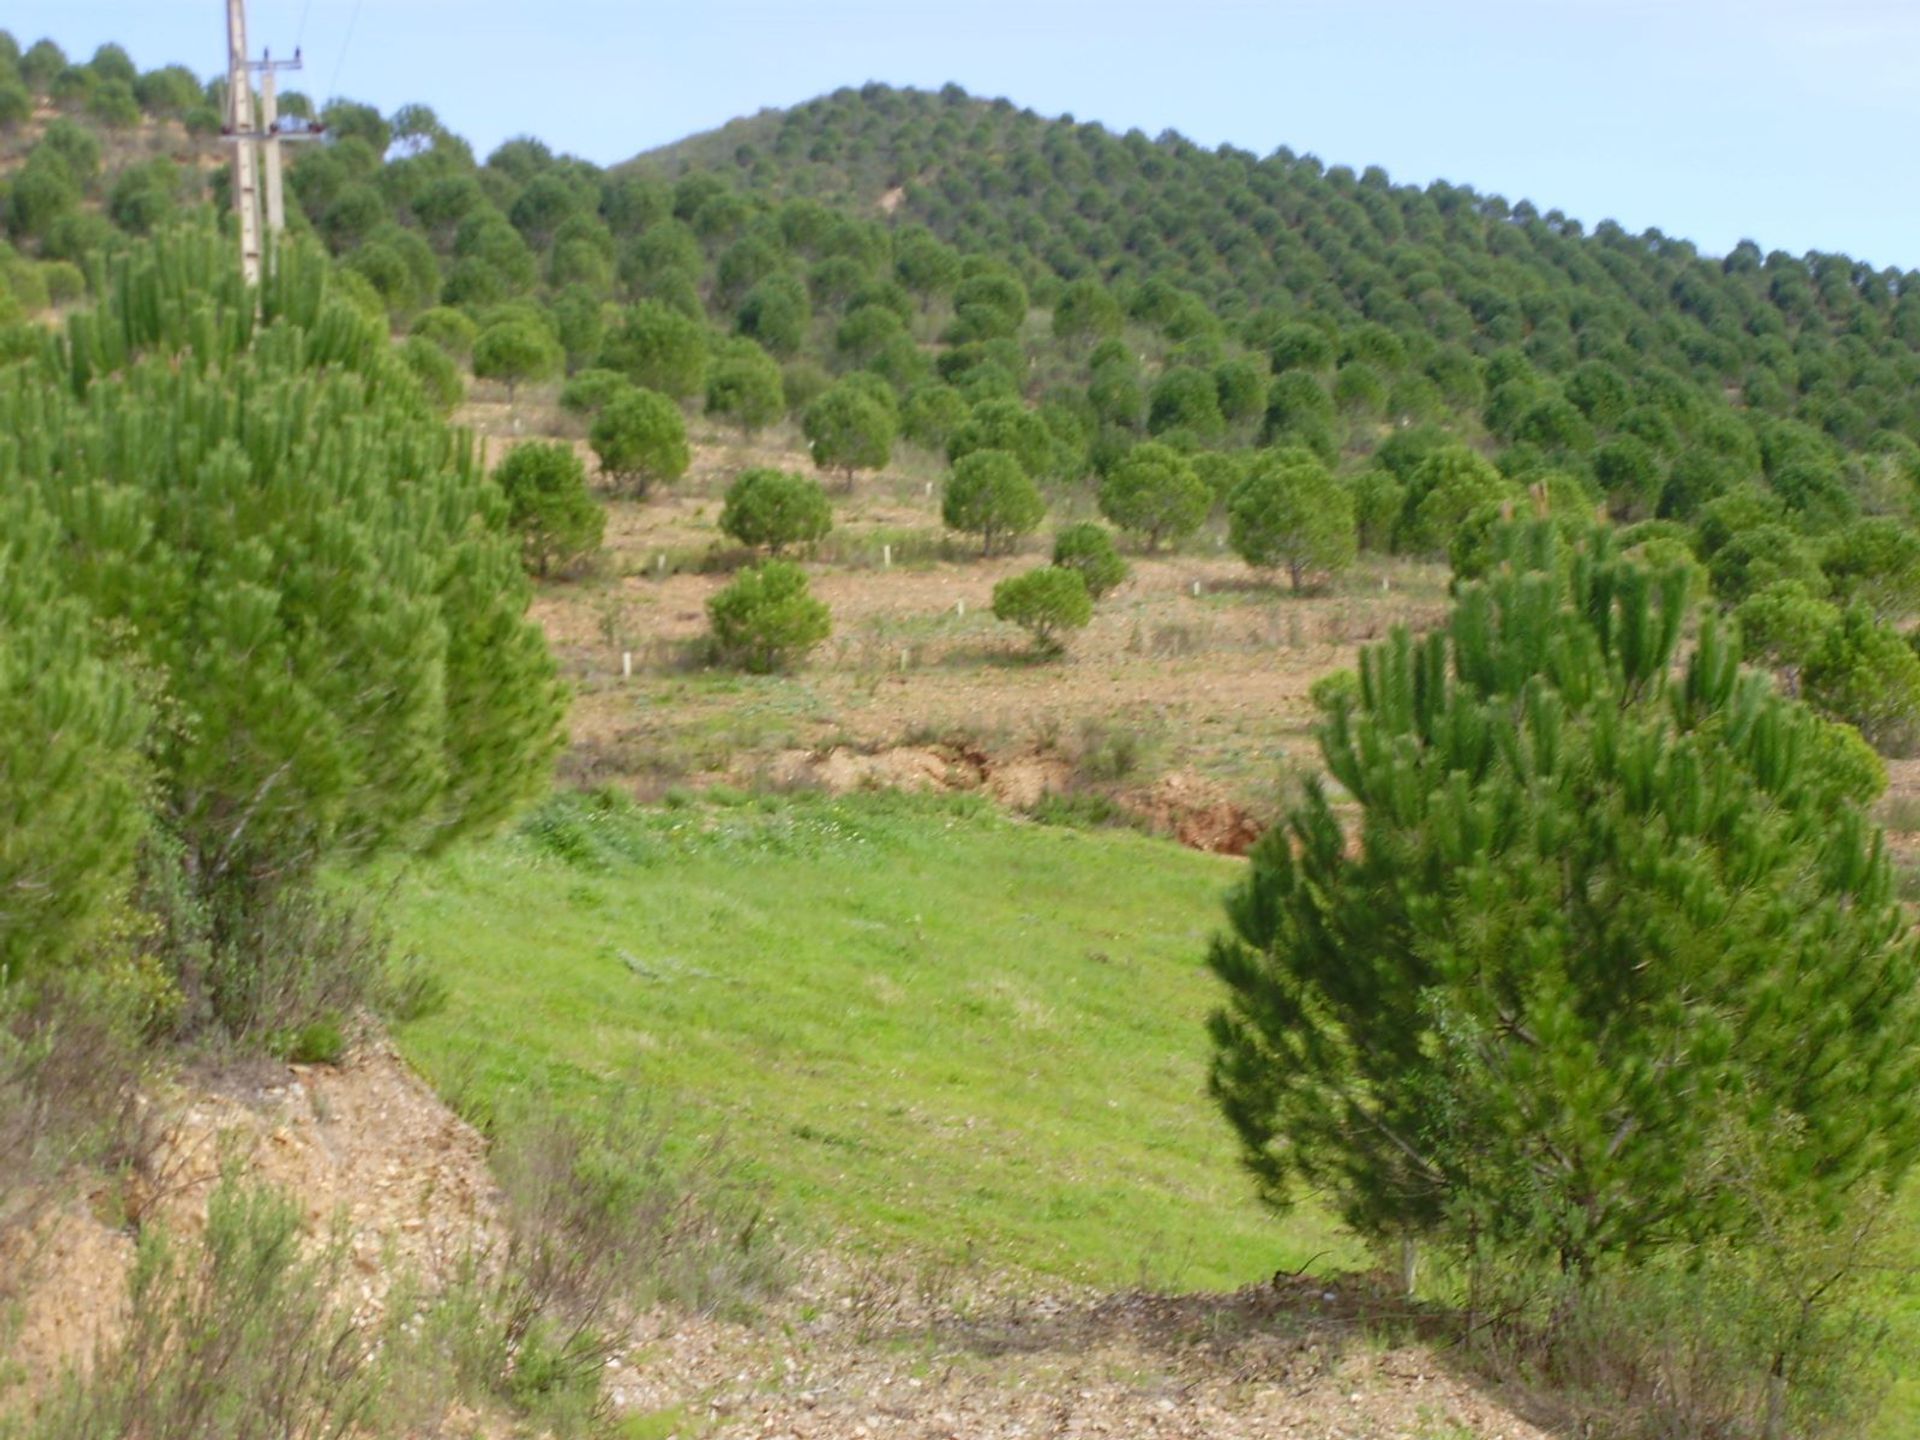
x=1826, y=338
x=705, y=659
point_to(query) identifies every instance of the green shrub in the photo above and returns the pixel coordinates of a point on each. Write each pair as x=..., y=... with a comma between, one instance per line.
x=1088, y=549
x=319, y=1042
x=234, y=1335
x=548, y=503
x=1045, y=603
x=1336, y=690
x=588, y=391
x=990, y=495
x=640, y=440
x=1154, y=492
x=1291, y=513
x=767, y=619
x=745, y=386
x=776, y=508
x=448, y=328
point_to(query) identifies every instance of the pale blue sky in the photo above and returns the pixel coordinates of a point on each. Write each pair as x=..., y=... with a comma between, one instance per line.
x=1787, y=121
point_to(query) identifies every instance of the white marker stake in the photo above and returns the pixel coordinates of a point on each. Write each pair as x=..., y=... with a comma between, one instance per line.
x=886, y=557
x=1196, y=589
x=626, y=664
x=960, y=608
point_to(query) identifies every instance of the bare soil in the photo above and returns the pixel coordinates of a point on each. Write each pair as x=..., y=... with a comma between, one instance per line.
x=860, y=1349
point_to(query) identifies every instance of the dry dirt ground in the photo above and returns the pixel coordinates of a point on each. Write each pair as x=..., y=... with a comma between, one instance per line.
x=1189, y=691
x=857, y=1350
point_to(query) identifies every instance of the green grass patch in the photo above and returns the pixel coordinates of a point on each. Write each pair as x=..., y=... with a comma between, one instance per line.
x=925, y=1025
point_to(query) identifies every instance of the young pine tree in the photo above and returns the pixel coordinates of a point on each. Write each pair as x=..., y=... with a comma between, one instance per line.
x=1603, y=916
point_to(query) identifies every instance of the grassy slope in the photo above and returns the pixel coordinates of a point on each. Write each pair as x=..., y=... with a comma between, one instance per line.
x=928, y=1025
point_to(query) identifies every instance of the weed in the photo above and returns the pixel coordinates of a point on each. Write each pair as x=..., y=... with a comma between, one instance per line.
x=232, y=1337
x=1110, y=751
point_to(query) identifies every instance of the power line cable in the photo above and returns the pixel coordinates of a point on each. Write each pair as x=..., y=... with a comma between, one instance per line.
x=333, y=85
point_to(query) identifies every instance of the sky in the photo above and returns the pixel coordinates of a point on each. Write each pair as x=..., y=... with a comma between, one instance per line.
x=1788, y=122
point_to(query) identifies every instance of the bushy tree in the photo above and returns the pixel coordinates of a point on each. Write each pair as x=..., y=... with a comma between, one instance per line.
x=1046, y=603
x=931, y=415
x=640, y=440
x=659, y=349
x=1088, y=548
x=767, y=619
x=1598, y=908
x=744, y=386
x=776, y=313
x=549, y=506
x=1009, y=427
x=588, y=391
x=1085, y=312
x=440, y=379
x=1864, y=673
x=849, y=429
x=988, y=494
x=1290, y=513
x=775, y=508
x=1185, y=400
x=515, y=351
x=338, y=630
x=1877, y=562
x=1154, y=492
x=451, y=330
x=1450, y=484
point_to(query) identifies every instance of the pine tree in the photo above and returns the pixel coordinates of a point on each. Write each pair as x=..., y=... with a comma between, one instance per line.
x=263, y=511
x=70, y=768
x=1603, y=915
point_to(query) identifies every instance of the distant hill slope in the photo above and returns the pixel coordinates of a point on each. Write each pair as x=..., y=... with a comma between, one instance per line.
x=1289, y=235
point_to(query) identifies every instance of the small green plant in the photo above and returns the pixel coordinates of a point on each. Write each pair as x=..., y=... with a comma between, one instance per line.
x=233, y=1336
x=767, y=619
x=1045, y=603
x=1335, y=690
x=776, y=508
x=1088, y=548
x=319, y=1042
